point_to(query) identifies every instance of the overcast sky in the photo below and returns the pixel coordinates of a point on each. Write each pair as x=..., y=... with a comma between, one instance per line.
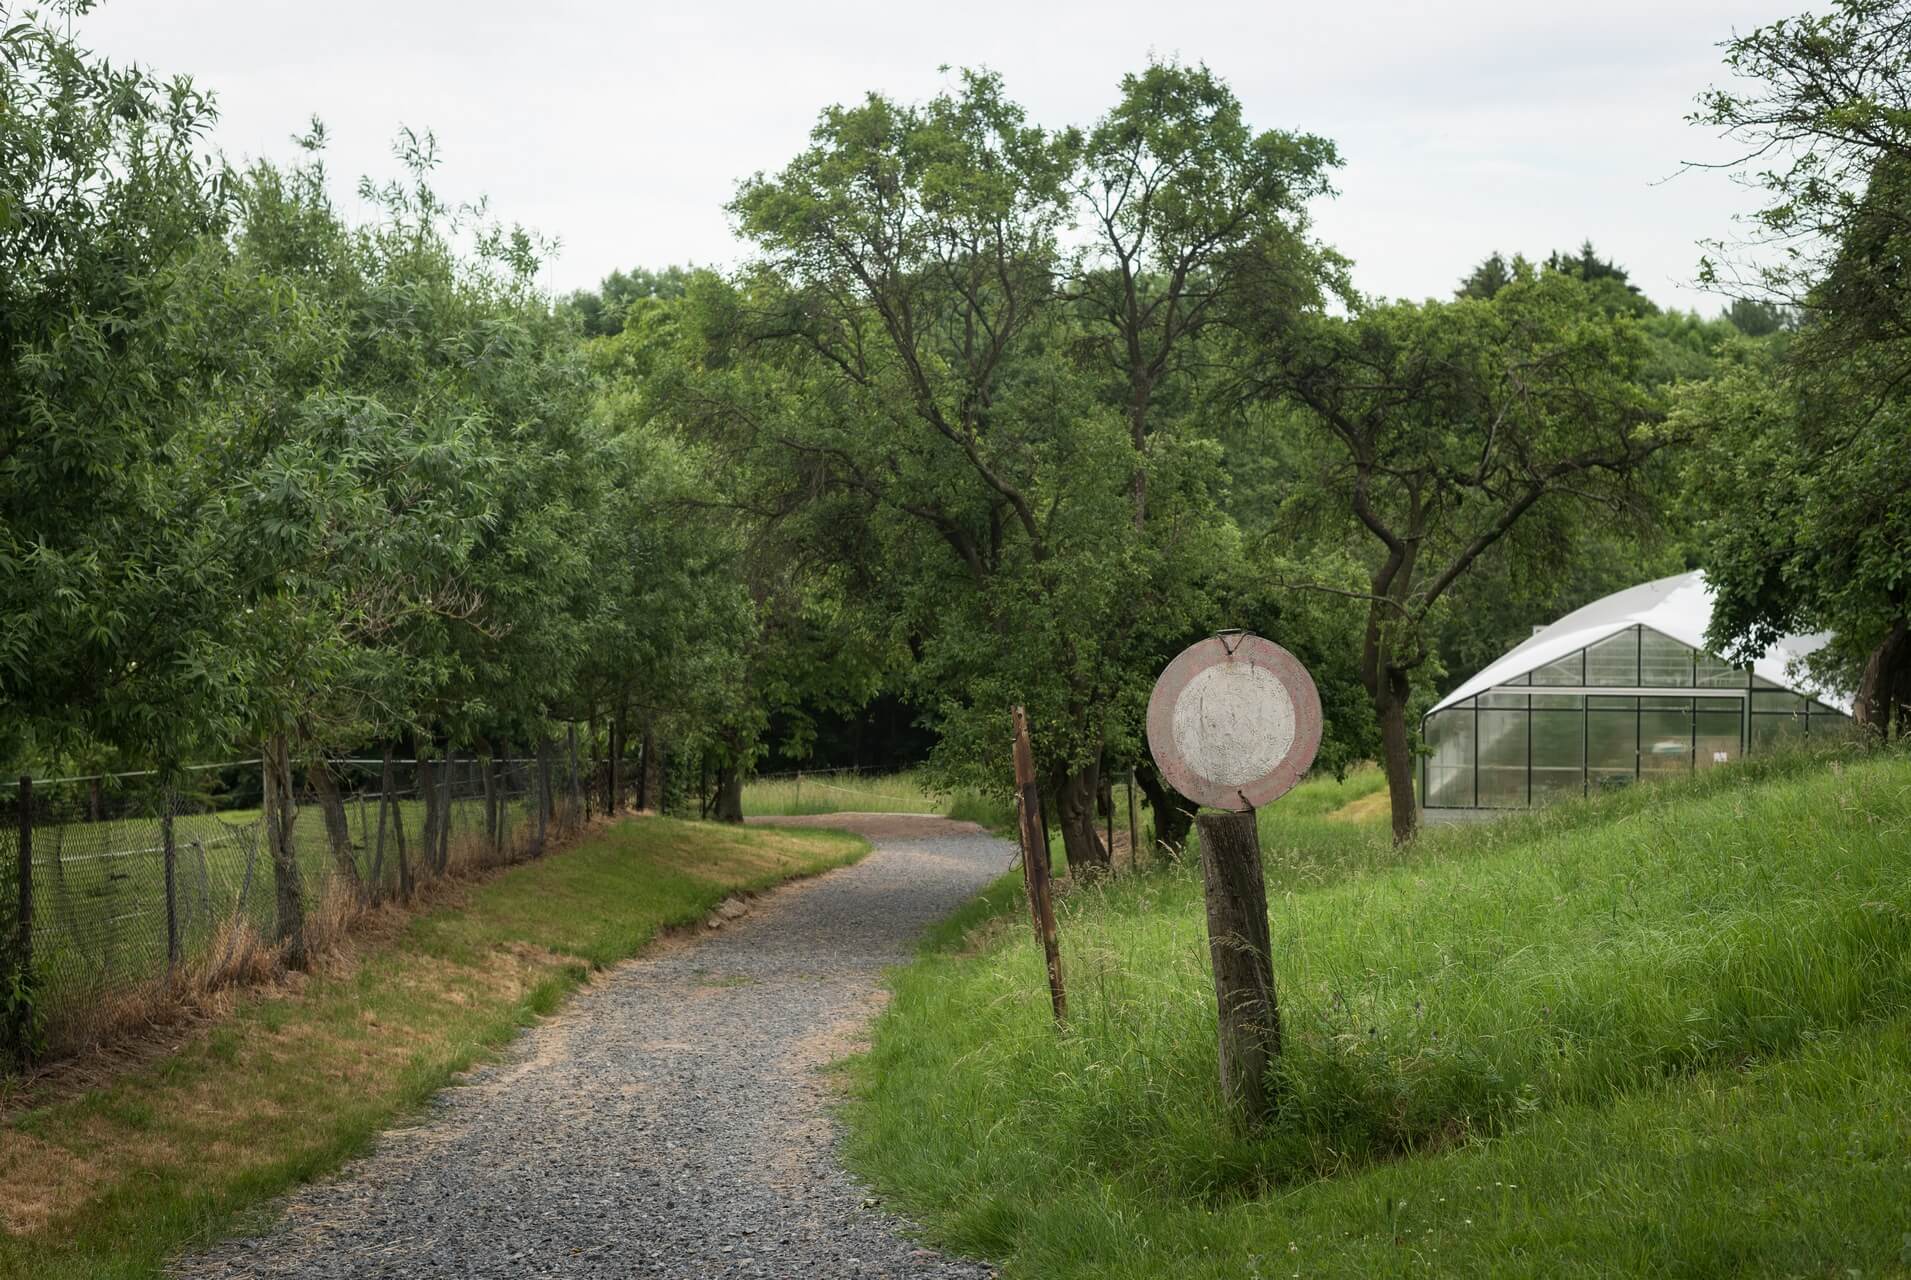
x=622, y=129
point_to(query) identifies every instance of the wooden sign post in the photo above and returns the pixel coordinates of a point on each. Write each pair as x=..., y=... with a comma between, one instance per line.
x=1233, y=723
x=1035, y=862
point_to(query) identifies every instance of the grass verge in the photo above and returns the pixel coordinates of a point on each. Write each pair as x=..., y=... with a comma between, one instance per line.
x=298, y=1079
x=904, y=792
x=1659, y=1033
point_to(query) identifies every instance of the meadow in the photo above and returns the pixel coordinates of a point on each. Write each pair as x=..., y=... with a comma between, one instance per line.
x=1658, y=1032
x=791, y=795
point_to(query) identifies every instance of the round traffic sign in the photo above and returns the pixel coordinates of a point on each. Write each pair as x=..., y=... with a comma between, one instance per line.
x=1234, y=721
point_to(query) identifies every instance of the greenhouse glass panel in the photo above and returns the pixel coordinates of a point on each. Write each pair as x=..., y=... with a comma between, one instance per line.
x=1559, y=750
x=1719, y=731
x=1790, y=703
x=1665, y=736
x=1664, y=663
x=1614, y=661
x=1612, y=742
x=1716, y=673
x=1449, y=767
x=1504, y=699
x=1503, y=759
x=1569, y=670
x=1772, y=730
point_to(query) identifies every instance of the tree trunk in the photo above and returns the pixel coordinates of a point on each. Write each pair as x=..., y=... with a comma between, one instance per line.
x=428, y=792
x=1075, y=807
x=489, y=776
x=729, y=807
x=1173, y=812
x=338, y=831
x=614, y=803
x=1883, y=703
x=1396, y=752
x=650, y=783
x=406, y=881
x=289, y=890
x=1241, y=948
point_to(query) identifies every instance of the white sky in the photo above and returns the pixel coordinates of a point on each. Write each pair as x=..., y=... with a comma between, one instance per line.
x=622, y=129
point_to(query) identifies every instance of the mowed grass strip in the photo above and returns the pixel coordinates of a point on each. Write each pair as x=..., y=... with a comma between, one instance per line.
x=296, y=1080
x=1670, y=1025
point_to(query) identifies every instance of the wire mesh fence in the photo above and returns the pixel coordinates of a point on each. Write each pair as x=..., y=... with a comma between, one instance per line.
x=117, y=891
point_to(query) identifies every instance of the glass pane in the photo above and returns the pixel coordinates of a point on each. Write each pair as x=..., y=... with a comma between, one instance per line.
x=1559, y=753
x=1777, y=702
x=1614, y=660
x=1772, y=731
x=1522, y=679
x=1612, y=747
x=1499, y=698
x=1665, y=739
x=1833, y=724
x=1607, y=702
x=1719, y=730
x=1569, y=670
x=1450, y=762
x=1559, y=701
x=1716, y=673
x=1503, y=759
x=1664, y=663
x=1760, y=682
x=1820, y=709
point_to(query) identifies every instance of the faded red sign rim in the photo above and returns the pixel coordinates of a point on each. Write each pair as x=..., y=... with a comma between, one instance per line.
x=1288, y=770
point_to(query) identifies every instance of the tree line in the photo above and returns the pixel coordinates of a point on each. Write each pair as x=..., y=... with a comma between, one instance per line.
x=994, y=413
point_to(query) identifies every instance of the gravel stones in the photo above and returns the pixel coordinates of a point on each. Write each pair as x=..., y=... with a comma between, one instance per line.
x=670, y=1121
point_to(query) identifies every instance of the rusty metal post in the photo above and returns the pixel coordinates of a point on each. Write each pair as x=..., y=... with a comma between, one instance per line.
x=1035, y=862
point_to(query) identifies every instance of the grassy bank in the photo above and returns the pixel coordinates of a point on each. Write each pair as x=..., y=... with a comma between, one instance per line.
x=1660, y=1033
x=111, y=1182
x=904, y=792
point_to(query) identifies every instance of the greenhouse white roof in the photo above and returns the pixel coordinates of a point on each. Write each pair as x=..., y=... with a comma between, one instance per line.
x=1679, y=606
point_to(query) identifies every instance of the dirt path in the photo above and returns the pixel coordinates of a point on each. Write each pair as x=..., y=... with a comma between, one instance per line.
x=670, y=1121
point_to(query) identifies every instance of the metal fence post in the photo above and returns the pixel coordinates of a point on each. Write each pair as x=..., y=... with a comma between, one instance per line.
x=170, y=855
x=21, y=1010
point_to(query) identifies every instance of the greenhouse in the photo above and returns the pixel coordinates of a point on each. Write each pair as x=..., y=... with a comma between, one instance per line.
x=1618, y=692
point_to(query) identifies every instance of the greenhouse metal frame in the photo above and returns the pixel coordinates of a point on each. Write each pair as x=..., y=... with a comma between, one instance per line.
x=1619, y=692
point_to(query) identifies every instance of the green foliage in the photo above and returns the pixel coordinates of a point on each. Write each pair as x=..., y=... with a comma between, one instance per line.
x=1806, y=482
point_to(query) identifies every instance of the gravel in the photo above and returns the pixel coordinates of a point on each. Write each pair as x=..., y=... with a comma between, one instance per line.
x=670, y=1121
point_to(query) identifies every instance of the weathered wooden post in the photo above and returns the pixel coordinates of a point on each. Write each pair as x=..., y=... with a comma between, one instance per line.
x=1035, y=862
x=1233, y=723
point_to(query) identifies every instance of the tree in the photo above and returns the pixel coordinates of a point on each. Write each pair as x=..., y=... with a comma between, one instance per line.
x=105, y=348
x=1438, y=429
x=1821, y=540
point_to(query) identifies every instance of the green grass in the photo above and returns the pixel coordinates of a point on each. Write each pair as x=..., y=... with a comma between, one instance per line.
x=905, y=792
x=113, y=1181
x=1662, y=1032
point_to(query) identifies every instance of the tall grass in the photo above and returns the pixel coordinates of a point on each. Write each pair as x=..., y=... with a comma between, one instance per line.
x=1431, y=999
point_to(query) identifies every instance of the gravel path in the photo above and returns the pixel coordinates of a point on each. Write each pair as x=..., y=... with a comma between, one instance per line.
x=670, y=1121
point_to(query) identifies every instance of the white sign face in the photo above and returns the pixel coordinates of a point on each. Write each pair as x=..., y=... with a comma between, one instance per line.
x=1234, y=723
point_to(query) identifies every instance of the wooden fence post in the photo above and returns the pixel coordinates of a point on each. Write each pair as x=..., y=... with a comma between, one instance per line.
x=1241, y=946
x=1035, y=863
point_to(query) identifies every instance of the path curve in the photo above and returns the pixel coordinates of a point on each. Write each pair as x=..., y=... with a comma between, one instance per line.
x=670, y=1120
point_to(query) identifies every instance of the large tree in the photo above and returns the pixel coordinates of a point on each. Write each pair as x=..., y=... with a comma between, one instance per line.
x=1818, y=535
x=1436, y=430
